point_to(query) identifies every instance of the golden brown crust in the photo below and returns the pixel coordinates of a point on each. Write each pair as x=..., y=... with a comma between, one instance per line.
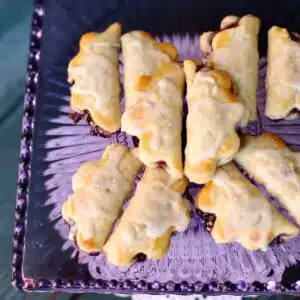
x=222, y=78
x=146, y=83
x=177, y=184
x=153, y=214
x=222, y=39
x=229, y=147
x=143, y=55
x=283, y=74
x=234, y=49
x=270, y=138
x=95, y=78
x=156, y=117
x=243, y=214
x=204, y=198
x=214, y=112
x=99, y=189
x=167, y=48
x=274, y=165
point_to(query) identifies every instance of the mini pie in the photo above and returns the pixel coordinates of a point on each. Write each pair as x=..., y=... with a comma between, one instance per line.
x=142, y=56
x=243, y=214
x=214, y=112
x=283, y=75
x=94, y=73
x=234, y=49
x=99, y=189
x=156, y=118
x=156, y=210
x=270, y=162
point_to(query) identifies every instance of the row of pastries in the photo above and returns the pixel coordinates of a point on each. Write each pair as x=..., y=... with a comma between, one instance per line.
x=221, y=96
x=155, y=211
x=154, y=85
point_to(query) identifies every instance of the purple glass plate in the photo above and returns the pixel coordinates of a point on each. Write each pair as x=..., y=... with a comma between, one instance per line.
x=52, y=148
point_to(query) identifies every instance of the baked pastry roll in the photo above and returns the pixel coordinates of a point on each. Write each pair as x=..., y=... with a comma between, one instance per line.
x=94, y=73
x=243, y=214
x=156, y=118
x=234, y=49
x=213, y=114
x=156, y=210
x=142, y=56
x=283, y=75
x=99, y=189
x=270, y=162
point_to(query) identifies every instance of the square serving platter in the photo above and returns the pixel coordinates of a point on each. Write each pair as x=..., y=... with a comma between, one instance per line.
x=52, y=148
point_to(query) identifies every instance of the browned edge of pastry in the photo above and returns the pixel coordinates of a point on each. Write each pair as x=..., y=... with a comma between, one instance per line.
x=207, y=38
x=204, y=65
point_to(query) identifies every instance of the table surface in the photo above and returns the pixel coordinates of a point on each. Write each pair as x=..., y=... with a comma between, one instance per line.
x=15, y=16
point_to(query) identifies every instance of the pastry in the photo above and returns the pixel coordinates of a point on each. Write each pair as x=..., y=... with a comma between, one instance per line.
x=270, y=162
x=99, y=189
x=156, y=210
x=94, y=75
x=234, y=49
x=283, y=75
x=142, y=56
x=243, y=214
x=213, y=114
x=156, y=118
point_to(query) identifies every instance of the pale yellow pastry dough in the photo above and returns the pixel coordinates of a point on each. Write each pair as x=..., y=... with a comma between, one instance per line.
x=234, y=49
x=142, y=55
x=99, y=189
x=213, y=114
x=156, y=118
x=243, y=214
x=94, y=73
x=156, y=210
x=283, y=75
x=274, y=165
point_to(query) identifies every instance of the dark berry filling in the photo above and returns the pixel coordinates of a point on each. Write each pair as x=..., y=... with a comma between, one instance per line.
x=93, y=253
x=75, y=117
x=140, y=257
x=161, y=164
x=89, y=253
x=94, y=128
x=135, y=141
x=209, y=219
x=203, y=67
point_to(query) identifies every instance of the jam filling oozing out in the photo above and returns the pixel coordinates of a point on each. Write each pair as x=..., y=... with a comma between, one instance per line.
x=140, y=257
x=209, y=219
x=94, y=128
x=202, y=67
x=161, y=164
